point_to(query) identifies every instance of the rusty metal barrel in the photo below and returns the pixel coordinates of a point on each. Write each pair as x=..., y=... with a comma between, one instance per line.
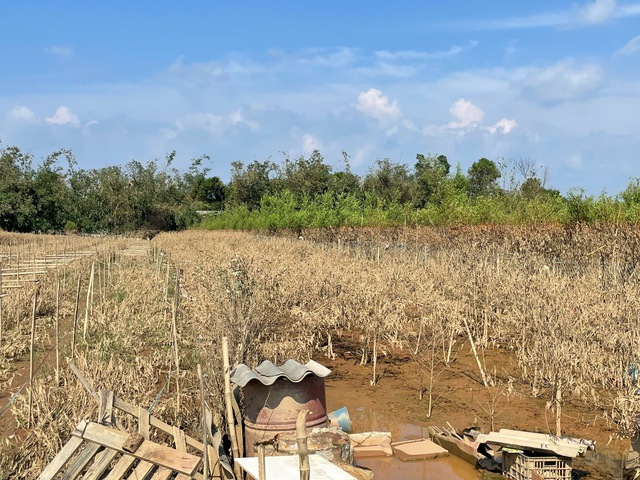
x=273, y=397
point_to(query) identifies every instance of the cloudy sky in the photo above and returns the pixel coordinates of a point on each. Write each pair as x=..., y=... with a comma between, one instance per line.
x=557, y=82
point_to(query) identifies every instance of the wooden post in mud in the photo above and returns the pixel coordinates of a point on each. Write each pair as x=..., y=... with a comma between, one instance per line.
x=75, y=321
x=303, y=448
x=57, y=331
x=205, y=427
x=229, y=405
x=31, y=347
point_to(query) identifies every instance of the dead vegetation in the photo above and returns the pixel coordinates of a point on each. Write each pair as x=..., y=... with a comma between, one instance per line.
x=563, y=301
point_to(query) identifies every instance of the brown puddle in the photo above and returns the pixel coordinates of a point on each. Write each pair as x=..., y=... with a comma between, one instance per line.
x=390, y=468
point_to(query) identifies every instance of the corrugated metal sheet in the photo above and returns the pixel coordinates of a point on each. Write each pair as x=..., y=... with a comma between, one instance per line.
x=540, y=442
x=267, y=373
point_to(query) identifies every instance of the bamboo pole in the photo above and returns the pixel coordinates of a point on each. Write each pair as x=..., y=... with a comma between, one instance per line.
x=475, y=353
x=303, y=448
x=57, y=331
x=559, y=408
x=86, y=303
x=75, y=321
x=174, y=333
x=261, y=463
x=205, y=437
x=229, y=405
x=31, y=347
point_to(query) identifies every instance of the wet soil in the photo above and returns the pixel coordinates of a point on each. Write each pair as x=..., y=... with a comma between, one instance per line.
x=461, y=400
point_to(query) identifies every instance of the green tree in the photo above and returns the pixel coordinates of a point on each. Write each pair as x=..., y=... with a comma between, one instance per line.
x=483, y=176
x=389, y=182
x=304, y=177
x=17, y=206
x=344, y=182
x=249, y=184
x=430, y=172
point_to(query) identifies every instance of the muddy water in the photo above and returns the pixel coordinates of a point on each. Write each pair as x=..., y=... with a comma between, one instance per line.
x=390, y=468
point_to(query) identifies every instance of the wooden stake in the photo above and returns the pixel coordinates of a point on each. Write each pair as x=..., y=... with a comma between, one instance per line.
x=229, y=406
x=87, y=302
x=31, y=346
x=303, y=448
x=559, y=408
x=174, y=331
x=57, y=331
x=205, y=436
x=75, y=321
x=475, y=353
x=261, y=463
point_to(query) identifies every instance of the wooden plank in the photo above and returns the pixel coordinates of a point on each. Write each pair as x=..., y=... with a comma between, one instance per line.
x=121, y=468
x=157, y=454
x=100, y=465
x=155, y=422
x=143, y=422
x=82, y=460
x=178, y=438
x=164, y=474
x=61, y=459
x=84, y=382
x=141, y=471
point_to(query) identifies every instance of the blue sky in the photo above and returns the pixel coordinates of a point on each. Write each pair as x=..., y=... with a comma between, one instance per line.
x=551, y=81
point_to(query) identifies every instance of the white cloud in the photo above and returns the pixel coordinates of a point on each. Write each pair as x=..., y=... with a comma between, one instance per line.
x=20, y=113
x=374, y=104
x=215, y=125
x=466, y=114
x=562, y=81
x=310, y=143
x=575, y=161
x=503, y=126
x=60, y=51
x=597, y=12
x=591, y=13
x=421, y=55
x=632, y=46
x=63, y=116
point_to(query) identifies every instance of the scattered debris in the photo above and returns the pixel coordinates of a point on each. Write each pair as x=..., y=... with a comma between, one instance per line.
x=421, y=449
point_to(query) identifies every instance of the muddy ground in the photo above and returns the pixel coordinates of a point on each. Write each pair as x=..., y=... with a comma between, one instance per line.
x=460, y=398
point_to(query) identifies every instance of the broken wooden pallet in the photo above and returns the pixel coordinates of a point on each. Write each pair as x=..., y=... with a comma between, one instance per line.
x=97, y=447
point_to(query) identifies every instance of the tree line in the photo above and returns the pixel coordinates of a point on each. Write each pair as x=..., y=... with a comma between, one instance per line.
x=295, y=193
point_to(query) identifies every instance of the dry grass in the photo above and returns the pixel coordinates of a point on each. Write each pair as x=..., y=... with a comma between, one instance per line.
x=564, y=302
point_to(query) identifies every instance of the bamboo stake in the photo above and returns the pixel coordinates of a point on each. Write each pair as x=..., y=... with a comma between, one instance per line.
x=205, y=437
x=261, y=463
x=31, y=345
x=303, y=448
x=86, y=303
x=57, y=331
x=174, y=331
x=75, y=321
x=229, y=405
x=559, y=408
x=475, y=353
